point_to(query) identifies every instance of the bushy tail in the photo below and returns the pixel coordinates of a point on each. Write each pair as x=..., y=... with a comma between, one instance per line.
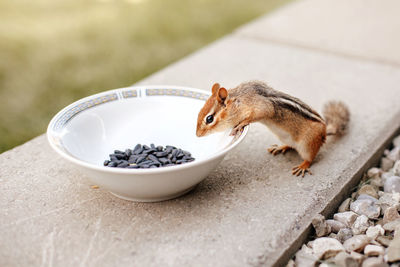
x=337, y=116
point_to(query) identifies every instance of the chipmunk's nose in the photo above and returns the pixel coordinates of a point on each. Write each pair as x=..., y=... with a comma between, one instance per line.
x=199, y=133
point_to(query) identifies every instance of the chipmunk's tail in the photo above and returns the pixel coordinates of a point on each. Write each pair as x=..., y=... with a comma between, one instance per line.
x=337, y=116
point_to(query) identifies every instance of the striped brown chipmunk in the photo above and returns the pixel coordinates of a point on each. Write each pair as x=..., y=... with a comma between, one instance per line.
x=295, y=123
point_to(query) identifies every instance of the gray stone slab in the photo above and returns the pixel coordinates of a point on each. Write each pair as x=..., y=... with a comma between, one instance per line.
x=249, y=211
x=368, y=29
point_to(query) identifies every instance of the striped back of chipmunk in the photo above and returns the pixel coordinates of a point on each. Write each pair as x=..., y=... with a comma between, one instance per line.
x=285, y=101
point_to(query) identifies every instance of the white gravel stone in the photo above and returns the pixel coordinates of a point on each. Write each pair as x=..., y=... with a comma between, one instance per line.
x=325, y=247
x=376, y=182
x=344, y=234
x=374, y=231
x=367, y=197
x=374, y=173
x=386, y=175
x=347, y=217
x=391, y=214
x=393, y=252
x=305, y=257
x=307, y=249
x=366, y=206
x=357, y=256
x=391, y=226
x=387, y=200
x=368, y=190
x=356, y=243
x=345, y=206
x=335, y=225
x=394, y=154
x=392, y=184
x=360, y=225
x=386, y=164
x=320, y=226
x=344, y=259
x=332, y=235
x=291, y=263
x=373, y=250
x=374, y=262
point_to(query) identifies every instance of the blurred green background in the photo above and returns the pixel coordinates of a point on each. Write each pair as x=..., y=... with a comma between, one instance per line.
x=53, y=52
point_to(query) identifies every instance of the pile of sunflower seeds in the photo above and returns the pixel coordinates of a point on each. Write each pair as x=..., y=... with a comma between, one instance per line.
x=144, y=157
x=365, y=230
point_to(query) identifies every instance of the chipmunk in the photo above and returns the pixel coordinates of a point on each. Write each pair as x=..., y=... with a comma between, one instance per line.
x=296, y=124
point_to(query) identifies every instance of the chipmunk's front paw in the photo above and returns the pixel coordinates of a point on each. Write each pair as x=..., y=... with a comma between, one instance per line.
x=275, y=149
x=234, y=131
x=238, y=129
x=302, y=169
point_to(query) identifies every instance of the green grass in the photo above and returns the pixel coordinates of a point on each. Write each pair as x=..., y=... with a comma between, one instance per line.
x=55, y=52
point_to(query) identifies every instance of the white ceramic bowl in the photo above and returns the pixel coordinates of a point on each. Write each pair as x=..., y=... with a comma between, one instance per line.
x=87, y=131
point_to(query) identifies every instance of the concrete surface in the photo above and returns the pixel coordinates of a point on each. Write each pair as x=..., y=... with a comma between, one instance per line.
x=249, y=211
x=367, y=29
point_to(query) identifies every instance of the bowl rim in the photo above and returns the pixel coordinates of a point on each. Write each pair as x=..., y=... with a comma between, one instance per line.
x=49, y=133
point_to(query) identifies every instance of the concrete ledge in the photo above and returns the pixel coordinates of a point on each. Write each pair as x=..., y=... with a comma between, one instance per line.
x=249, y=211
x=316, y=77
x=365, y=29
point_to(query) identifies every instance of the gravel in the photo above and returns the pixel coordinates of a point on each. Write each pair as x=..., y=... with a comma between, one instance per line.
x=365, y=230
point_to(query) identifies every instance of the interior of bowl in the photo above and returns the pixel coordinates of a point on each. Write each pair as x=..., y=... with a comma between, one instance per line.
x=92, y=128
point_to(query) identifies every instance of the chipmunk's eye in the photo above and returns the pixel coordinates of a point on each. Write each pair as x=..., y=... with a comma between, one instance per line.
x=209, y=119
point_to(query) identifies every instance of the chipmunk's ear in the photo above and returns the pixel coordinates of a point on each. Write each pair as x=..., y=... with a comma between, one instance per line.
x=222, y=94
x=215, y=88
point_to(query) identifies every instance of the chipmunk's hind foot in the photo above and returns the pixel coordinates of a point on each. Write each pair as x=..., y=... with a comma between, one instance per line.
x=275, y=149
x=302, y=169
